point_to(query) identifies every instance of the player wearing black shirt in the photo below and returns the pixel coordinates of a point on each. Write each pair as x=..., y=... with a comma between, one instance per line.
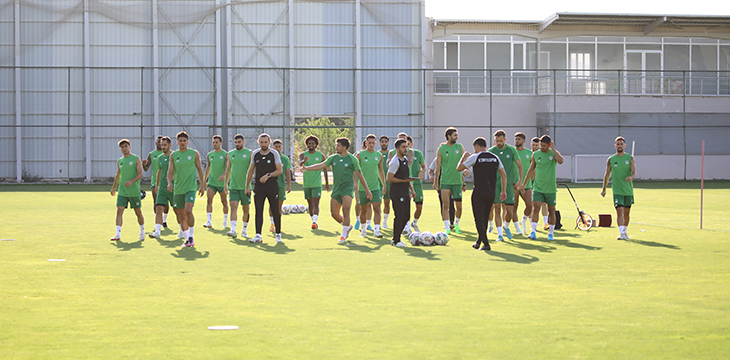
x=400, y=185
x=486, y=166
x=267, y=166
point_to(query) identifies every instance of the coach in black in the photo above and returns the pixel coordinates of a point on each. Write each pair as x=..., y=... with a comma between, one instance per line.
x=267, y=165
x=400, y=186
x=486, y=165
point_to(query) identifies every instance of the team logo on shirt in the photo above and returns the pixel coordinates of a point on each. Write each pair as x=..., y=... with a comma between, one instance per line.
x=376, y=158
x=190, y=157
x=221, y=156
x=345, y=164
x=130, y=163
x=316, y=159
x=268, y=161
x=550, y=157
x=507, y=156
x=457, y=151
x=191, y=198
x=627, y=162
x=244, y=156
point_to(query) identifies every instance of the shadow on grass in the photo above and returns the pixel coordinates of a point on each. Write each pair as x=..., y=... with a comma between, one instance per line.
x=286, y=236
x=418, y=252
x=190, y=254
x=527, y=246
x=568, y=243
x=170, y=244
x=122, y=246
x=362, y=248
x=277, y=248
x=653, y=244
x=217, y=231
x=320, y=232
x=520, y=259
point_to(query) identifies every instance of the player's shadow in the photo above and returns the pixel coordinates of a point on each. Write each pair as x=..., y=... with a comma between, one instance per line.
x=420, y=253
x=170, y=244
x=278, y=248
x=217, y=231
x=320, y=232
x=165, y=231
x=362, y=248
x=287, y=236
x=568, y=243
x=527, y=246
x=122, y=246
x=520, y=259
x=564, y=233
x=190, y=254
x=653, y=244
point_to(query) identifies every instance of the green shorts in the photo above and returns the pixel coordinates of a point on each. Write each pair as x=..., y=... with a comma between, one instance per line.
x=623, y=200
x=338, y=195
x=312, y=192
x=239, y=195
x=282, y=194
x=377, y=197
x=134, y=202
x=179, y=200
x=217, y=189
x=418, y=187
x=510, y=200
x=164, y=198
x=550, y=199
x=455, y=190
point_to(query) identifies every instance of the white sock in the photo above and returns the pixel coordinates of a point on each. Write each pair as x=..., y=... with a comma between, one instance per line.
x=185, y=234
x=376, y=227
x=517, y=225
x=385, y=217
x=158, y=227
x=272, y=219
x=141, y=229
x=446, y=224
x=245, y=225
x=622, y=229
x=181, y=230
x=233, y=225
x=499, y=230
x=545, y=219
x=415, y=221
x=367, y=223
x=534, y=227
x=225, y=218
x=119, y=230
x=191, y=230
x=210, y=217
x=524, y=218
x=456, y=221
x=164, y=218
x=552, y=229
x=491, y=223
x=314, y=218
x=344, y=230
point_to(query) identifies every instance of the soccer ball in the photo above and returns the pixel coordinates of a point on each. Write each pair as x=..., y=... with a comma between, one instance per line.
x=302, y=209
x=427, y=238
x=414, y=238
x=306, y=208
x=295, y=209
x=441, y=238
x=143, y=194
x=285, y=210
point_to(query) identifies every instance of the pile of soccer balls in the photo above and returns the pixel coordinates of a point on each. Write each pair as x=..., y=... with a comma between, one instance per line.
x=287, y=209
x=427, y=238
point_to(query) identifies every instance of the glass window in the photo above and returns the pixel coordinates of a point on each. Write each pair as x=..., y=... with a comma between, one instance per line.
x=643, y=39
x=519, y=63
x=582, y=39
x=674, y=40
x=438, y=55
x=610, y=57
x=498, y=56
x=472, y=56
x=704, y=57
x=676, y=57
x=531, y=56
x=643, y=46
x=557, y=59
x=611, y=39
x=452, y=55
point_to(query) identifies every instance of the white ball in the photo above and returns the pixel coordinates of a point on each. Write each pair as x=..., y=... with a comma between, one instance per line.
x=285, y=209
x=427, y=238
x=442, y=238
x=302, y=209
x=306, y=208
x=414, y=238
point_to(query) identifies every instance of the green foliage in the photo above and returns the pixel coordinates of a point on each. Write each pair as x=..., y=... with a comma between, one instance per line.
x=327, y=135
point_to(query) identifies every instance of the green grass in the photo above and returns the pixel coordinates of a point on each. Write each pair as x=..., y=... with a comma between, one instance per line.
x=663, y=294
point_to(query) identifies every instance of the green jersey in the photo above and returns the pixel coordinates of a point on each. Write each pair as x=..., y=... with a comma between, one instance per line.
x=128, y=170
x=153, y=165
x=240, y=161
x=163, y=164
x=217, y=164
x=384, y=154
x=313, y=179
x=370, y=165
x=620, y=170
x=450, y=158
x=285, y=166
x=509, y=156
x=343, y=167
x=416, y=165
x=545, y=165
x=184, y=176
x=524, y=155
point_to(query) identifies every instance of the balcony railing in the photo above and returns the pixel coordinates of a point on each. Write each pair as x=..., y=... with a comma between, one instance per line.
x=572, y=82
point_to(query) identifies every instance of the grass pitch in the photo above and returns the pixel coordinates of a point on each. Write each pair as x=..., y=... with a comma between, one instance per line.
x=663, y=294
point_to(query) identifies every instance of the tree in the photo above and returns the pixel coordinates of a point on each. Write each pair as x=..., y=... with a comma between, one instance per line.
x=327, y=135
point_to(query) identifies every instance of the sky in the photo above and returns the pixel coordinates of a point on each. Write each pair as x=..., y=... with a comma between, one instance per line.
x=540, y=10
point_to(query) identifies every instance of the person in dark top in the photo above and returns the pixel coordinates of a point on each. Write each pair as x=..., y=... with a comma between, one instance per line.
x=267, y=166
x=485, y=168
x=400, y=188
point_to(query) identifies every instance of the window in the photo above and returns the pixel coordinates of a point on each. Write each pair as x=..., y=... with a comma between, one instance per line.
x=580, y=64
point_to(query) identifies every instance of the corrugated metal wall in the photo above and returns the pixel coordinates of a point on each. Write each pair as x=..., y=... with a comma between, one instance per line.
x=149, y=67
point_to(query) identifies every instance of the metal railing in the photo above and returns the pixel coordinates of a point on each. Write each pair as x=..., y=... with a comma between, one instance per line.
x=574, y=82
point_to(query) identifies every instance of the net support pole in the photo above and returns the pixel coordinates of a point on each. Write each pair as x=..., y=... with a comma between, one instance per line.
x=702, y=184
x=87, y=91
x=18, y=98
